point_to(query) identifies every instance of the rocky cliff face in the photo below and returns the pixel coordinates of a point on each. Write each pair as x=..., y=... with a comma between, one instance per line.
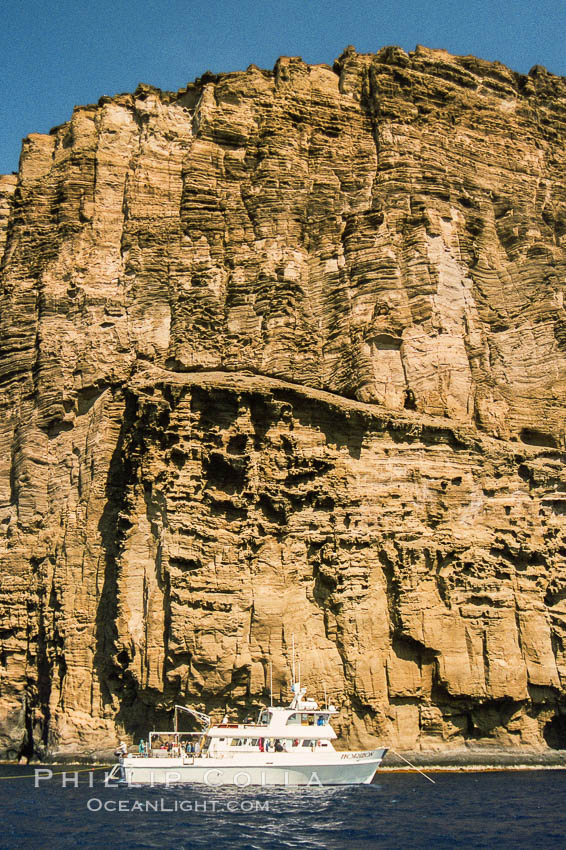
x=285, y=352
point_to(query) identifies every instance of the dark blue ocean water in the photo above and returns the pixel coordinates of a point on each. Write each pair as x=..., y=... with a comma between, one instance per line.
x=501, y=810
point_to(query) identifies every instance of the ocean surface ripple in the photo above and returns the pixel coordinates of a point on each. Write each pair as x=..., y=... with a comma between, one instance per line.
x=462, y=810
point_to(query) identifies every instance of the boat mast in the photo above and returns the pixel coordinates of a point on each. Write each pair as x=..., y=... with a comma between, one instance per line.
x=271, y=684
x=293, y=655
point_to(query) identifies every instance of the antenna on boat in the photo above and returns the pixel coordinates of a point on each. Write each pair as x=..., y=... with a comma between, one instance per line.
x=293, y=655
x=325, y=697
x=271, y=684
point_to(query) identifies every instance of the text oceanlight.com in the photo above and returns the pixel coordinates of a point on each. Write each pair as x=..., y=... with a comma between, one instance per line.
x=95, y=804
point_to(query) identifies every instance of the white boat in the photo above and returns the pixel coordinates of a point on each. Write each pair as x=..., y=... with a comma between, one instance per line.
x=286, y=746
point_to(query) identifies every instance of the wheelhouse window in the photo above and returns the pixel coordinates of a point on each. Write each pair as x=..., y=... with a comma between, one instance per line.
x=293, y=719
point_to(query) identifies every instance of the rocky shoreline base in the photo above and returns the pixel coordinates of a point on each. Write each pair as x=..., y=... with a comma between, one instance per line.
x=454, y=760
x=459, y=760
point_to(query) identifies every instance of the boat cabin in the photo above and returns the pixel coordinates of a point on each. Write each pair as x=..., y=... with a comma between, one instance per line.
x=300, y=726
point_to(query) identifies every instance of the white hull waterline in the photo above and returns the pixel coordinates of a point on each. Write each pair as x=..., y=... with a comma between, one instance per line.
x=346, y=769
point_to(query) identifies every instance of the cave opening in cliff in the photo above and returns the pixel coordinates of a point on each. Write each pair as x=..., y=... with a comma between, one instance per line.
x=554, y=732
x=410, y=402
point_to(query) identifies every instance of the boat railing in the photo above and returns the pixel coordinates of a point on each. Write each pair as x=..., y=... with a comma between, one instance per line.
x=174, y=744
x=166, y=754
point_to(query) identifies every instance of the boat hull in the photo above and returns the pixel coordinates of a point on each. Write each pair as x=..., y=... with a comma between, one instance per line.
x=282, y=770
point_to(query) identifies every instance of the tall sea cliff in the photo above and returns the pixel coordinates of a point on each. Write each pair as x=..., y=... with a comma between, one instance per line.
x=284, y=353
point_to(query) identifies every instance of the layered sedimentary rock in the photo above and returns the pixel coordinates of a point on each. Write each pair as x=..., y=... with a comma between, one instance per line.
x=284, y=353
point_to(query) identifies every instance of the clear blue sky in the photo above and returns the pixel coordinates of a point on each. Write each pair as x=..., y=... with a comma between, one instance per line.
x=64, y=52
